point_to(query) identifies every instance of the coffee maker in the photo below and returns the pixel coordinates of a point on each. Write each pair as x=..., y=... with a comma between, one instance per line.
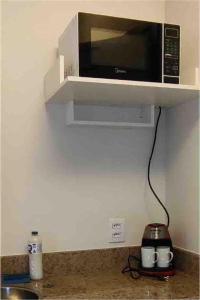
x=156, y=235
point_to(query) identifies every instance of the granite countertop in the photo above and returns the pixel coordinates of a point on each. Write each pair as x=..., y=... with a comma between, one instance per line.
x=115, y=285
x=96, y=274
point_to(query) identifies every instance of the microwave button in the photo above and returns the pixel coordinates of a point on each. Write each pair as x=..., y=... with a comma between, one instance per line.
x=175, y=68
x=168, y=55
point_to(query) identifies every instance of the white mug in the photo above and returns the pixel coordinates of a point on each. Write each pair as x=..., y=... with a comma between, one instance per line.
x=149, y=257
x=165, y=256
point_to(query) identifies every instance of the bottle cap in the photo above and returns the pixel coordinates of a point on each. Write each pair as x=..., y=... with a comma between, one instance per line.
x=34, y=232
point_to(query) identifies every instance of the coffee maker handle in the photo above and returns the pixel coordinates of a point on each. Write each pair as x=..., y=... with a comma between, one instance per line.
x=171, y=256
x=157, y=256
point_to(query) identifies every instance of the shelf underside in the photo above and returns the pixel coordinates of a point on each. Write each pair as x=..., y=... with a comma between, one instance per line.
x=121, y=92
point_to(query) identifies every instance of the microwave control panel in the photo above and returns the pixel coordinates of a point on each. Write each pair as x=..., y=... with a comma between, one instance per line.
x=171, y=53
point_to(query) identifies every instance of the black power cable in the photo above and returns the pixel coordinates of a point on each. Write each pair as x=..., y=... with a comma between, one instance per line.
x=149, y=167
x=131, y=268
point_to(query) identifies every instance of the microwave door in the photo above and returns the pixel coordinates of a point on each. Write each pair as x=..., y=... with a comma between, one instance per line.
x=120, y=48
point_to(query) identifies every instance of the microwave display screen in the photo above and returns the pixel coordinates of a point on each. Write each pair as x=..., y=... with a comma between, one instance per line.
x=130, y=49
x=171, y=32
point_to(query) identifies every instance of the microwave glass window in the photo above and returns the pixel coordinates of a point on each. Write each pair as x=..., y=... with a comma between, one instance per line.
x=130, y=49
x=100, y=34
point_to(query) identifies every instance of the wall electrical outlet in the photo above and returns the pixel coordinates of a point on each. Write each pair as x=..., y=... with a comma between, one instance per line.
x=116, y=230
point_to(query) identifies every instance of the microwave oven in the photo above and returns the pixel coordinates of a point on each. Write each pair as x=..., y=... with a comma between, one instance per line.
x=110, y=47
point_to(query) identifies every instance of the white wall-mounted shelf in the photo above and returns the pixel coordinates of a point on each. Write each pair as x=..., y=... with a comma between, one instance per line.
x=111, y=102
x=121, y=92
x=113, y=92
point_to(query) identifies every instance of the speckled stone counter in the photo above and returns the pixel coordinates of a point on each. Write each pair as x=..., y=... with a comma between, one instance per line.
x=96, y=274
x=114, y=285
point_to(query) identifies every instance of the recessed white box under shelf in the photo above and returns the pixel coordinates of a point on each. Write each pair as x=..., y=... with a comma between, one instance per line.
x=109, y=115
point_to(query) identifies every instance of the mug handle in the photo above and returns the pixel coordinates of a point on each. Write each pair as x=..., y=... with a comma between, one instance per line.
x=157, y=256
x=171, y=256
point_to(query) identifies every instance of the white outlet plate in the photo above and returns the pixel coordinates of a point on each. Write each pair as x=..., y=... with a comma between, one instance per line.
x=116, y=230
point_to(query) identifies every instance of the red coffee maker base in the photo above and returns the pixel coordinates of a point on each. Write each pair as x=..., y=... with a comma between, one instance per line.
x=157, y=273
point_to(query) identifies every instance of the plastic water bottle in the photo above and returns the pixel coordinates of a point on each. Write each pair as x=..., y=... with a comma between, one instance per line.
x=35, y=256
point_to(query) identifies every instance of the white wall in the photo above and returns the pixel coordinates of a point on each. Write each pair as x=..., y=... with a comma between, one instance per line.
x=0, y=125
x=186, y=14
x=182, y=185
x=67, y=182
x=183, y=131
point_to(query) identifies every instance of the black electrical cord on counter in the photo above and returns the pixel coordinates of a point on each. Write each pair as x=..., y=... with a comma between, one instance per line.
x=149, y=168
x=132, y=270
